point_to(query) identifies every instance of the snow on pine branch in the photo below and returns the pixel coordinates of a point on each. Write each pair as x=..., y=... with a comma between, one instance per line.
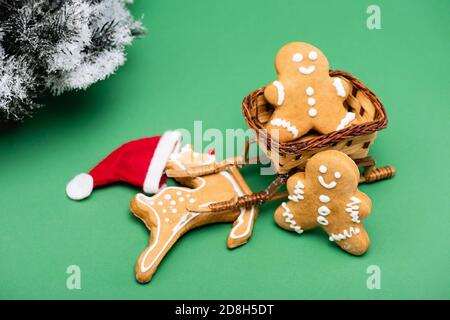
x=58, y=45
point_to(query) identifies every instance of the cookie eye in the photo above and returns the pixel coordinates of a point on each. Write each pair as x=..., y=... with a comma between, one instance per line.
x=337, y=175
x=323, y=169
x=297, y=57
x=313, y=55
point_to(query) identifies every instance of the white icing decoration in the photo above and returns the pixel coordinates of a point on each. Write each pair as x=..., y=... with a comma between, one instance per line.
x=298, y=192
x=313, y=55
x=277, y=122
x=330, y=185
x=192, y=200
x=173, y=202
x=160, y=203
x=188, y=195
x=179, y=193
x=287, y=214
x=337, y=175
x=349, y=117
x=353, y=209
x=323, y=169
x=299, y=185
x=167, y=219
x=309, y=91
x=175, y=157
x=241, y=220
x=280, y=90
x=324, y=210
x=312, y=112
x=337, y=83
x=322, y=220
x=311, y=101
x=347, y=233
x=297, y=57
x=164, y=211
x=307, y=70
x=181, y=199
x=167, y=196
x=324, y=198
x=181, y=223
x=174, y=210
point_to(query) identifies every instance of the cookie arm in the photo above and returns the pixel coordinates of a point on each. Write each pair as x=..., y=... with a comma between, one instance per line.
x=296, y=181
x=365, y=207
x=293, y=215
x=274, y=93
x=342, y=87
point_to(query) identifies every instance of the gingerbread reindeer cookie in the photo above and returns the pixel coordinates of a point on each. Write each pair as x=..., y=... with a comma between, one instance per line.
x=169, y=214
x=305, y=97
x=326, y=195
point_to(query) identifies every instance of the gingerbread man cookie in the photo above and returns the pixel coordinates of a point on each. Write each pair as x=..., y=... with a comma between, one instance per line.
x=326, y=195
x=305, y=97
x=169, y=213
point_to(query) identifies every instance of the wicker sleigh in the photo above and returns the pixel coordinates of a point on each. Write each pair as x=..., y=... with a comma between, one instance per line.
x=355, y=140
x=287, y=158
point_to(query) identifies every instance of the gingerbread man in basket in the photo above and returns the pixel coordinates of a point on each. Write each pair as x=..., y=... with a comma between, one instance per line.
x=174, y=211
x=326, y=195
x=305, y=97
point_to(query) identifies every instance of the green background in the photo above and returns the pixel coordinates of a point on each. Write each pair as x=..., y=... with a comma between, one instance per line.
x=198, y=61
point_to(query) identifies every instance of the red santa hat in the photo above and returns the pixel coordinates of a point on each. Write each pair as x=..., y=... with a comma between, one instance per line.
x=140, y=163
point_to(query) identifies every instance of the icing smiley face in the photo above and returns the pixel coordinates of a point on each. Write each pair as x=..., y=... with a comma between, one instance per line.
x=330, y=185
x=331, y=175
x=305, y=97
x=301, y=58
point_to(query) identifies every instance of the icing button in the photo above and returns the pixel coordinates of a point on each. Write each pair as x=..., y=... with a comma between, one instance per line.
x=312, y=112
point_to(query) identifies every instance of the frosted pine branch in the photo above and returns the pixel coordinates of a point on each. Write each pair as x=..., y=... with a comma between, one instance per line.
x=58, y=45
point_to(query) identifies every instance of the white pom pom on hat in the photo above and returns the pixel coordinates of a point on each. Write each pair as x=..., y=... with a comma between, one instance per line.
x=80, y=186
x=140, y=163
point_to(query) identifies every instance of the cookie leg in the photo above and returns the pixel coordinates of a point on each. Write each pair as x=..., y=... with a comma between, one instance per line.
x=288, y=218
x=353, y=239
x=163, y=236
x=284, y=127
x=242, y=227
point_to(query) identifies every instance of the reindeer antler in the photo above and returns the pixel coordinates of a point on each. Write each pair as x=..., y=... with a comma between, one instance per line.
x=212, y=168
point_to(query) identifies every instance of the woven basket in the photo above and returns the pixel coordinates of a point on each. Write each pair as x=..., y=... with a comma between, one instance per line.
x=354, y=140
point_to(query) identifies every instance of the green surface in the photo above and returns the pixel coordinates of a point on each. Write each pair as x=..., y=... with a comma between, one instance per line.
x=198, y=62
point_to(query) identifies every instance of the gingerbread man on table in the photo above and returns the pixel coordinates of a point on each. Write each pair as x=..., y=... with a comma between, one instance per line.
x=326, y=195
x=305, y=97
x=172, y=212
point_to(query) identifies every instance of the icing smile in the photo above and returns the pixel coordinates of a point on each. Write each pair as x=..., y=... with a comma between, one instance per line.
x=323, y=169
x=277, y=122
x=330, y=185
x=307, y=70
